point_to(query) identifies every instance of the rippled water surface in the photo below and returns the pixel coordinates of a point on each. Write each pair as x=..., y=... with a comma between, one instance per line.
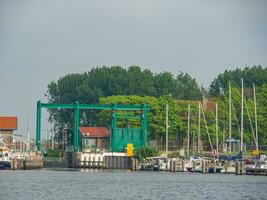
x=44, y=184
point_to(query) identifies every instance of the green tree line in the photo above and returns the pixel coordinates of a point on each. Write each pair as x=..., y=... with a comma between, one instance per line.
x=133, y=86
x=99, y=82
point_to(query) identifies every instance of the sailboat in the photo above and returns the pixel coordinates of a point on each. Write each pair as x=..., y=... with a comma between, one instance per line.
x=5, y=157
x=261, y=163
x=188, y=162
x=194, y=164
x=217, y=165
x=239, y=155
x=229, y=166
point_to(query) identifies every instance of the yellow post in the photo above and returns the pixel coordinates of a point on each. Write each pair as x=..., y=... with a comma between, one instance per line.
x=129, y=150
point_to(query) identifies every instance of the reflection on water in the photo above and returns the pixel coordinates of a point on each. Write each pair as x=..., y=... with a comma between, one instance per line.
x=125, y=184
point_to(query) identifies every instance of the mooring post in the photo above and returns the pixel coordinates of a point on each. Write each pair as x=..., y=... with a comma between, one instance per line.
x=194, y=165
x=237, y=167
x=203, y=166
x=171, y=165
x=242, y=167
x=225, y=167
x=215, y=166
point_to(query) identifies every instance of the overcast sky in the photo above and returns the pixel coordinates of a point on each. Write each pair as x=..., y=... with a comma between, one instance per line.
x=41, y=41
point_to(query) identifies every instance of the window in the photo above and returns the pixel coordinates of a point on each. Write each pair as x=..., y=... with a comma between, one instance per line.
x=89, y=142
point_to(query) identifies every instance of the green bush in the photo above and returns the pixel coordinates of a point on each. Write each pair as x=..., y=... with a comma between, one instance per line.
x=264, y=152
x=54, y=153
x=173, y=155
x=144, y=152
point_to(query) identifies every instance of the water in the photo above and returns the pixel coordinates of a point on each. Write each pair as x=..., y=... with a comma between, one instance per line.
x=44, y=184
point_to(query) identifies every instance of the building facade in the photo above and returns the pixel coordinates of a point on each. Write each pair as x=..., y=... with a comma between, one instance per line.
x=95, y=138
x=7, y=126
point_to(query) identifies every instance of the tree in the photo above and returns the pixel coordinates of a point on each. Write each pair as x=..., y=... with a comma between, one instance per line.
x=255, y=74
x=187, y=88
x=262, y=113
x=164, y=84
x=105, y=81
x=157, y=114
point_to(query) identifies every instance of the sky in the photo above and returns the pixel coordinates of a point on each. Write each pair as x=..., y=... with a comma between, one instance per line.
x=41, y=41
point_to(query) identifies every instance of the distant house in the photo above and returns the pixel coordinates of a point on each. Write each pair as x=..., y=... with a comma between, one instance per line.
x=19, y=145
x=94, y=138
x=208, y=105
x=7, y=126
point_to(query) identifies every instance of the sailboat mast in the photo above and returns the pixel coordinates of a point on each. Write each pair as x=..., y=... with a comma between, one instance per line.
x=242, y=110
x=188, y=129
x=256, y=123
x=223, y=138
x=193, y=145
x=217, y=140
x=28, y=133
x=230, y=119
x=198, y=138
x=167, y=126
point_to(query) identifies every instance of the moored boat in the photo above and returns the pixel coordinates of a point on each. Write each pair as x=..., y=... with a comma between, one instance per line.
x=5, y=158
x=260, y=166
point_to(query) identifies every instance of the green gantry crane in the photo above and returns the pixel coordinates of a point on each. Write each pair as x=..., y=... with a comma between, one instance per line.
x=119, y=137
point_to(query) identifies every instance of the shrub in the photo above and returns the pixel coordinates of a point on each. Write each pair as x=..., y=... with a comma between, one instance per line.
x=144, y=152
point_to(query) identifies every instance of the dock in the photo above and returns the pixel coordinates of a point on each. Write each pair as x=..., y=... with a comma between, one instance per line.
x=256, y=171
x=27, y=161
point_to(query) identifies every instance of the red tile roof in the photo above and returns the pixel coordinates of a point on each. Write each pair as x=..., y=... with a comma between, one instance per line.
x=8, y=123
x=94, y=131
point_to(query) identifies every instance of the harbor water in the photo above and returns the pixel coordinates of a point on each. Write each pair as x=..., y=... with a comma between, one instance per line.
x=98, y=184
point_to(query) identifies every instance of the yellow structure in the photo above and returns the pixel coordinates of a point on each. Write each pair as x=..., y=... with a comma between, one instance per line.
x=255, y=152
x=129, y=150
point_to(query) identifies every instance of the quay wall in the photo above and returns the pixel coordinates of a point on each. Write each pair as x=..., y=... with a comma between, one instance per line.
x=93, y=160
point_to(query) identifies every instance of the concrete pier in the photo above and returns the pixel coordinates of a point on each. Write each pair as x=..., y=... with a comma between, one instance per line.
x=97, y=160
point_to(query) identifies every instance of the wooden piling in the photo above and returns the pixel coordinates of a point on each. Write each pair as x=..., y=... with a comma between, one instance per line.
x=194, y=166
x=238, y=167
x=171, y=165
x=134, y=164
x=204, y=166
x=225, y=167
